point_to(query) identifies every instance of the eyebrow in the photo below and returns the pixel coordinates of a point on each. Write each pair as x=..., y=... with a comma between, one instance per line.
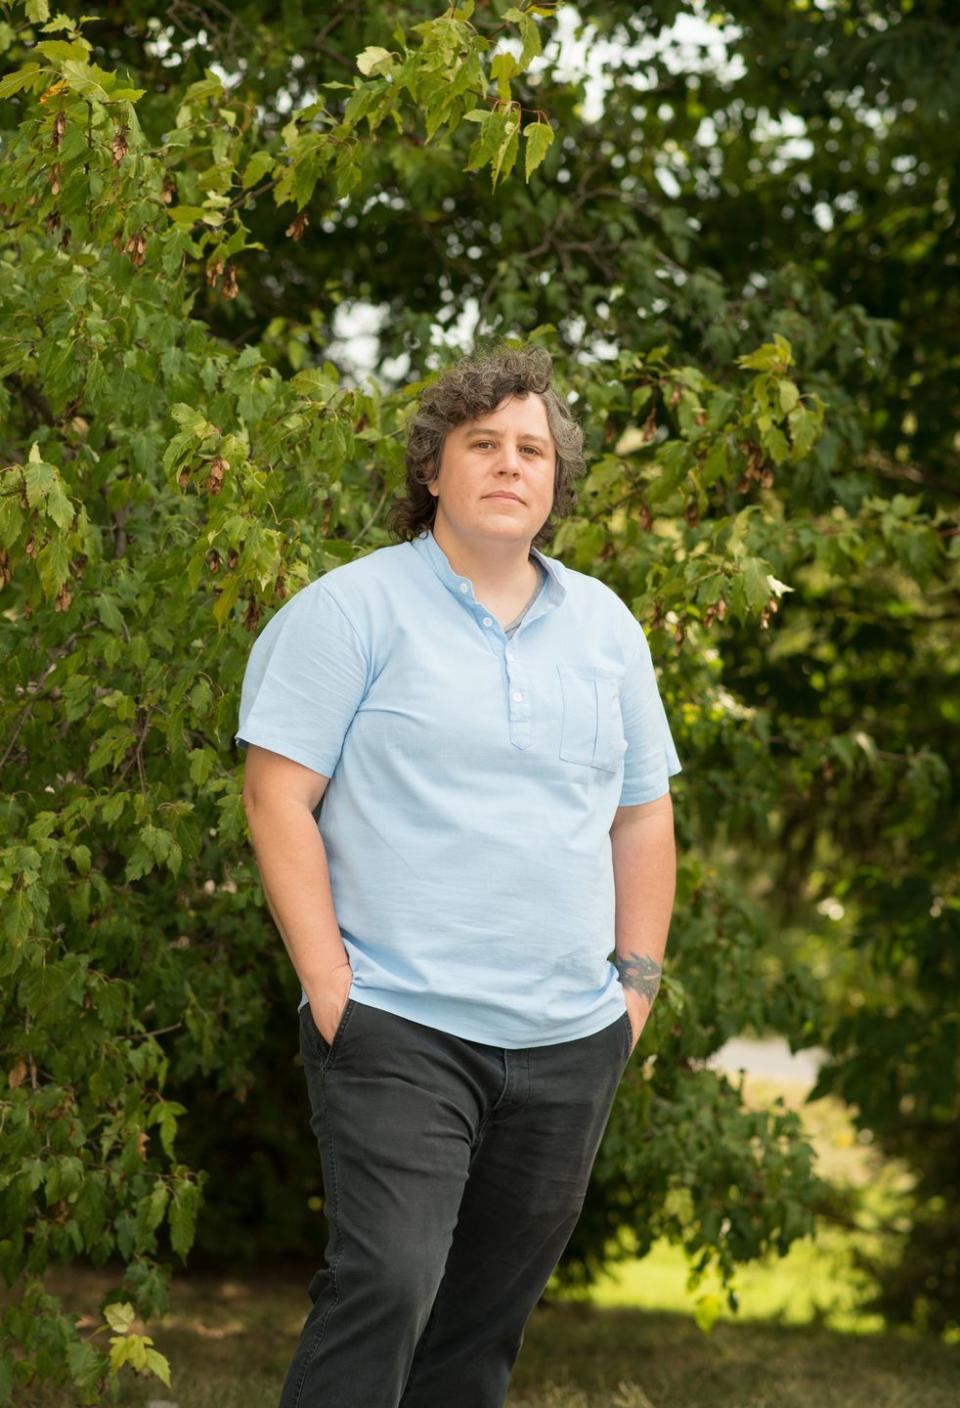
x=486, y=430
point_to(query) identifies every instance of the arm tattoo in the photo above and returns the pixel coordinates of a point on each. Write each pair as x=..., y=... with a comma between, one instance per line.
x=640, y=972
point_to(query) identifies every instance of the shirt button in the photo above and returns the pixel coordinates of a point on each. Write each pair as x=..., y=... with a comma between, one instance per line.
x=488, y=621
x=464, y=586
x=517, y=695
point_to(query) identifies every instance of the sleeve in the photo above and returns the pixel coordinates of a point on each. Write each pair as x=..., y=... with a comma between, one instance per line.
x=304, y=681
x=651, y=756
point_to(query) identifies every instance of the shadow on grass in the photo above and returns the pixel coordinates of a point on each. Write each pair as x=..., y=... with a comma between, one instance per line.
x=229, y=1341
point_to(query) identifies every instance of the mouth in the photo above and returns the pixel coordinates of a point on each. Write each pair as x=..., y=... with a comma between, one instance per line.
x=511, y=498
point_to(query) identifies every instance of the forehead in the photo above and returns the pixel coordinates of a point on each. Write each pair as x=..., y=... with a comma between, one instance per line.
x=525, y=415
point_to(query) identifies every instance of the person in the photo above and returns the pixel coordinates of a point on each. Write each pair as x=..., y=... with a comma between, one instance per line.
x=457, y=791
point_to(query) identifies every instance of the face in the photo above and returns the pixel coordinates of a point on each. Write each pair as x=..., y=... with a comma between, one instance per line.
x=506, y=451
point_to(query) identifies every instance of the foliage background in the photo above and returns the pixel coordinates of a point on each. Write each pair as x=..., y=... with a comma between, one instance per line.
x=742, y=264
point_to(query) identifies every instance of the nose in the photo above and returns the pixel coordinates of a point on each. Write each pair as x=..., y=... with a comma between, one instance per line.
x=509, y=457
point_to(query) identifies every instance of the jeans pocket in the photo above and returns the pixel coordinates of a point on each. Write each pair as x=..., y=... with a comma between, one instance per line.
x=316, y=1042
x=591, y=732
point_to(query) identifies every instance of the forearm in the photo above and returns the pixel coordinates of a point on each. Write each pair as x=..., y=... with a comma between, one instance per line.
x=296, y=883
x=645, y=874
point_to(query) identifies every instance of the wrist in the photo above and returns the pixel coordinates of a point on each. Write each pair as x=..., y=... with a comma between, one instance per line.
x=639, y=973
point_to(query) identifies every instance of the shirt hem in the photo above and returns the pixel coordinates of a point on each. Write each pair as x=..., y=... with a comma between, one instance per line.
x=409, y=1011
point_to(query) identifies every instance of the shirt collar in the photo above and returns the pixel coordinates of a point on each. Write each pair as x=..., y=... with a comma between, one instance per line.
x=554, y=589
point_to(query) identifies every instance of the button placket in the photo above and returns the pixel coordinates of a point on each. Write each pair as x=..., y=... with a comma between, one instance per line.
x=518, y=705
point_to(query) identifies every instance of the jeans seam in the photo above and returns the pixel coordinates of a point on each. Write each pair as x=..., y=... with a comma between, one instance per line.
x=628, y=1038
x=334, y=1260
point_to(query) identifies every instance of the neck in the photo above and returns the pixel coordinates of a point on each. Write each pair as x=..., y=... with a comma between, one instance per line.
x=503, y=565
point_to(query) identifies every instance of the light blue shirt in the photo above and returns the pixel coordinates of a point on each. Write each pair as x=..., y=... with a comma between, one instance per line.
x=474, y=779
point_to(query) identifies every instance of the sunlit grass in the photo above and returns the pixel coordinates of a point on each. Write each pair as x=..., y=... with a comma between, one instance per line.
x=816, y=1282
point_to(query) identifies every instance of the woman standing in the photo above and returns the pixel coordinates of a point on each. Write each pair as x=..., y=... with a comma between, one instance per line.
x=481, y=730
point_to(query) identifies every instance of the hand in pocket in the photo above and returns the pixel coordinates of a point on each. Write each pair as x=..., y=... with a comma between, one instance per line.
x=327, y=1007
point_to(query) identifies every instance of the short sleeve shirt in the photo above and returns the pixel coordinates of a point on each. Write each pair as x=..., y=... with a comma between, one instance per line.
x=474, y=778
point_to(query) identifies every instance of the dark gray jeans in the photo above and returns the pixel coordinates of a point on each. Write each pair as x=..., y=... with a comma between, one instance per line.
x=454, y=1173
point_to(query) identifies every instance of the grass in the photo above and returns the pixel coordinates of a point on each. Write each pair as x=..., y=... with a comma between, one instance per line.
x=816, y=1283
x=230, y=1341
x=800, y=1338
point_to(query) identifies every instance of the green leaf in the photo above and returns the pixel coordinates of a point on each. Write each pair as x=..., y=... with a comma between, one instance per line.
x=502, y=69
x=804, y=430
x=87, y=79
x=53, y=566
x=488, y=141
x=63, y=49
x=120, y=1316
x=789, y=396
x=775, y=444
x=158, y=1365
x=182, y=1217
x=257, y=167
x=773, y=356
x=755, y=584
x=58, y=506
x=374, y=60
x=507, y=153
x=14, y=82
x=538, y=137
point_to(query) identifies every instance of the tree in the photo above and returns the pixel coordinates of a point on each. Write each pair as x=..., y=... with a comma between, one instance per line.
x=182, y=449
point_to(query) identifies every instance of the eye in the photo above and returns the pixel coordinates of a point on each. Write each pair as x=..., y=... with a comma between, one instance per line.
x=478, y=444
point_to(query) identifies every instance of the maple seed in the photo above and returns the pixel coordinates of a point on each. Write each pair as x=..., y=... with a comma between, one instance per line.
x=59, y=126
x=169, y=190
x=296, y=228
x=230, y=282
x=214, y=480
x=54, y=178
x=63, y=600
x=135, y=247
x=119, y=145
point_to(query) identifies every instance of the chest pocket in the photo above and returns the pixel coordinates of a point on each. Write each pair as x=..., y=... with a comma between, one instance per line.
x=591, y=731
